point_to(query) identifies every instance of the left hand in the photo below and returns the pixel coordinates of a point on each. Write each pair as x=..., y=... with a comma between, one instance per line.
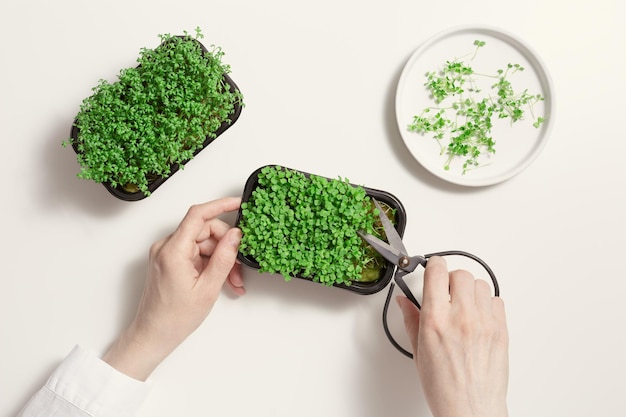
x=186, y=273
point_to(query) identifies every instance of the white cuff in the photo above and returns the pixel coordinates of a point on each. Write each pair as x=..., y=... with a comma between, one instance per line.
x=89, y=383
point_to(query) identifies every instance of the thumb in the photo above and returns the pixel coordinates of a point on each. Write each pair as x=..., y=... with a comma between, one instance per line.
x=411, y=316
x=223, y=258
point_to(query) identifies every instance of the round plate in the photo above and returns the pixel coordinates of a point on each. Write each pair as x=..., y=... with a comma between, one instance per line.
x=518, y=144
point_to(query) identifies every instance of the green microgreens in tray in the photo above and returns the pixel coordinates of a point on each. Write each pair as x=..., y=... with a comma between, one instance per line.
x=155, y=115
x=299, y=225
x=462, y=119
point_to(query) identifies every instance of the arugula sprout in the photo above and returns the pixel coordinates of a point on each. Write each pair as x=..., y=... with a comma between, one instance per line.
x=466, y=120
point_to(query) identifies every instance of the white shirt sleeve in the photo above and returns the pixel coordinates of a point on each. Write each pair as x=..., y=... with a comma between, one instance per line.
x=85, y=386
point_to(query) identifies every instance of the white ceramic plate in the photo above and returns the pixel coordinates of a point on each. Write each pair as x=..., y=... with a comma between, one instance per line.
x=517, y=145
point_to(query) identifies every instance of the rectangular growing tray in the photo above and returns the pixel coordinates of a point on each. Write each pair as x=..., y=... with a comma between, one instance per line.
x=120, y=193
x=363, y=288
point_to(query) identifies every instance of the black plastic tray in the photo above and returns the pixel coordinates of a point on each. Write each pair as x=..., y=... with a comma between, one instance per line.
x=364, y=288
x=122, y=194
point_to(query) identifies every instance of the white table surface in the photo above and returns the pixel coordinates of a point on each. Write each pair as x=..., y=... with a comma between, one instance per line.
x=319, y=83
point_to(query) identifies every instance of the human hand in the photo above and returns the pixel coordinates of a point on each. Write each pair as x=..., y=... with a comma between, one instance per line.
x=186, y=272
x=460, y=343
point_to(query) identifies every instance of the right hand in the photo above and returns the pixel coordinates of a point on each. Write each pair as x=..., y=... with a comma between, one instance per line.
x=460, y=343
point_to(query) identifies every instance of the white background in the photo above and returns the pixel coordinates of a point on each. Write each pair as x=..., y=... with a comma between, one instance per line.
x=319, y=82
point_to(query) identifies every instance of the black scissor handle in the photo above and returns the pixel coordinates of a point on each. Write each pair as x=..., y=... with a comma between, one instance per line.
x=482, y=263
x=407, y=292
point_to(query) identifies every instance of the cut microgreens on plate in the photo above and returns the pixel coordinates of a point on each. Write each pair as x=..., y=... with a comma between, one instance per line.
x=462, y=118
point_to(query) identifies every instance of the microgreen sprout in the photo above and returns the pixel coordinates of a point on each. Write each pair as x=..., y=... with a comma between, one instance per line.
x=155, y=115
x=479, y=44
x=460, y=120
x=299, y=225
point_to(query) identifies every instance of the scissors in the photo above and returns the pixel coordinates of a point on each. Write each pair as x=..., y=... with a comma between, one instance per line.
x=395, y=252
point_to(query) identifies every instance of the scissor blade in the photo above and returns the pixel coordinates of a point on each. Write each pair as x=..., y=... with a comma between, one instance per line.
x=393, y=237
x=387, y=251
